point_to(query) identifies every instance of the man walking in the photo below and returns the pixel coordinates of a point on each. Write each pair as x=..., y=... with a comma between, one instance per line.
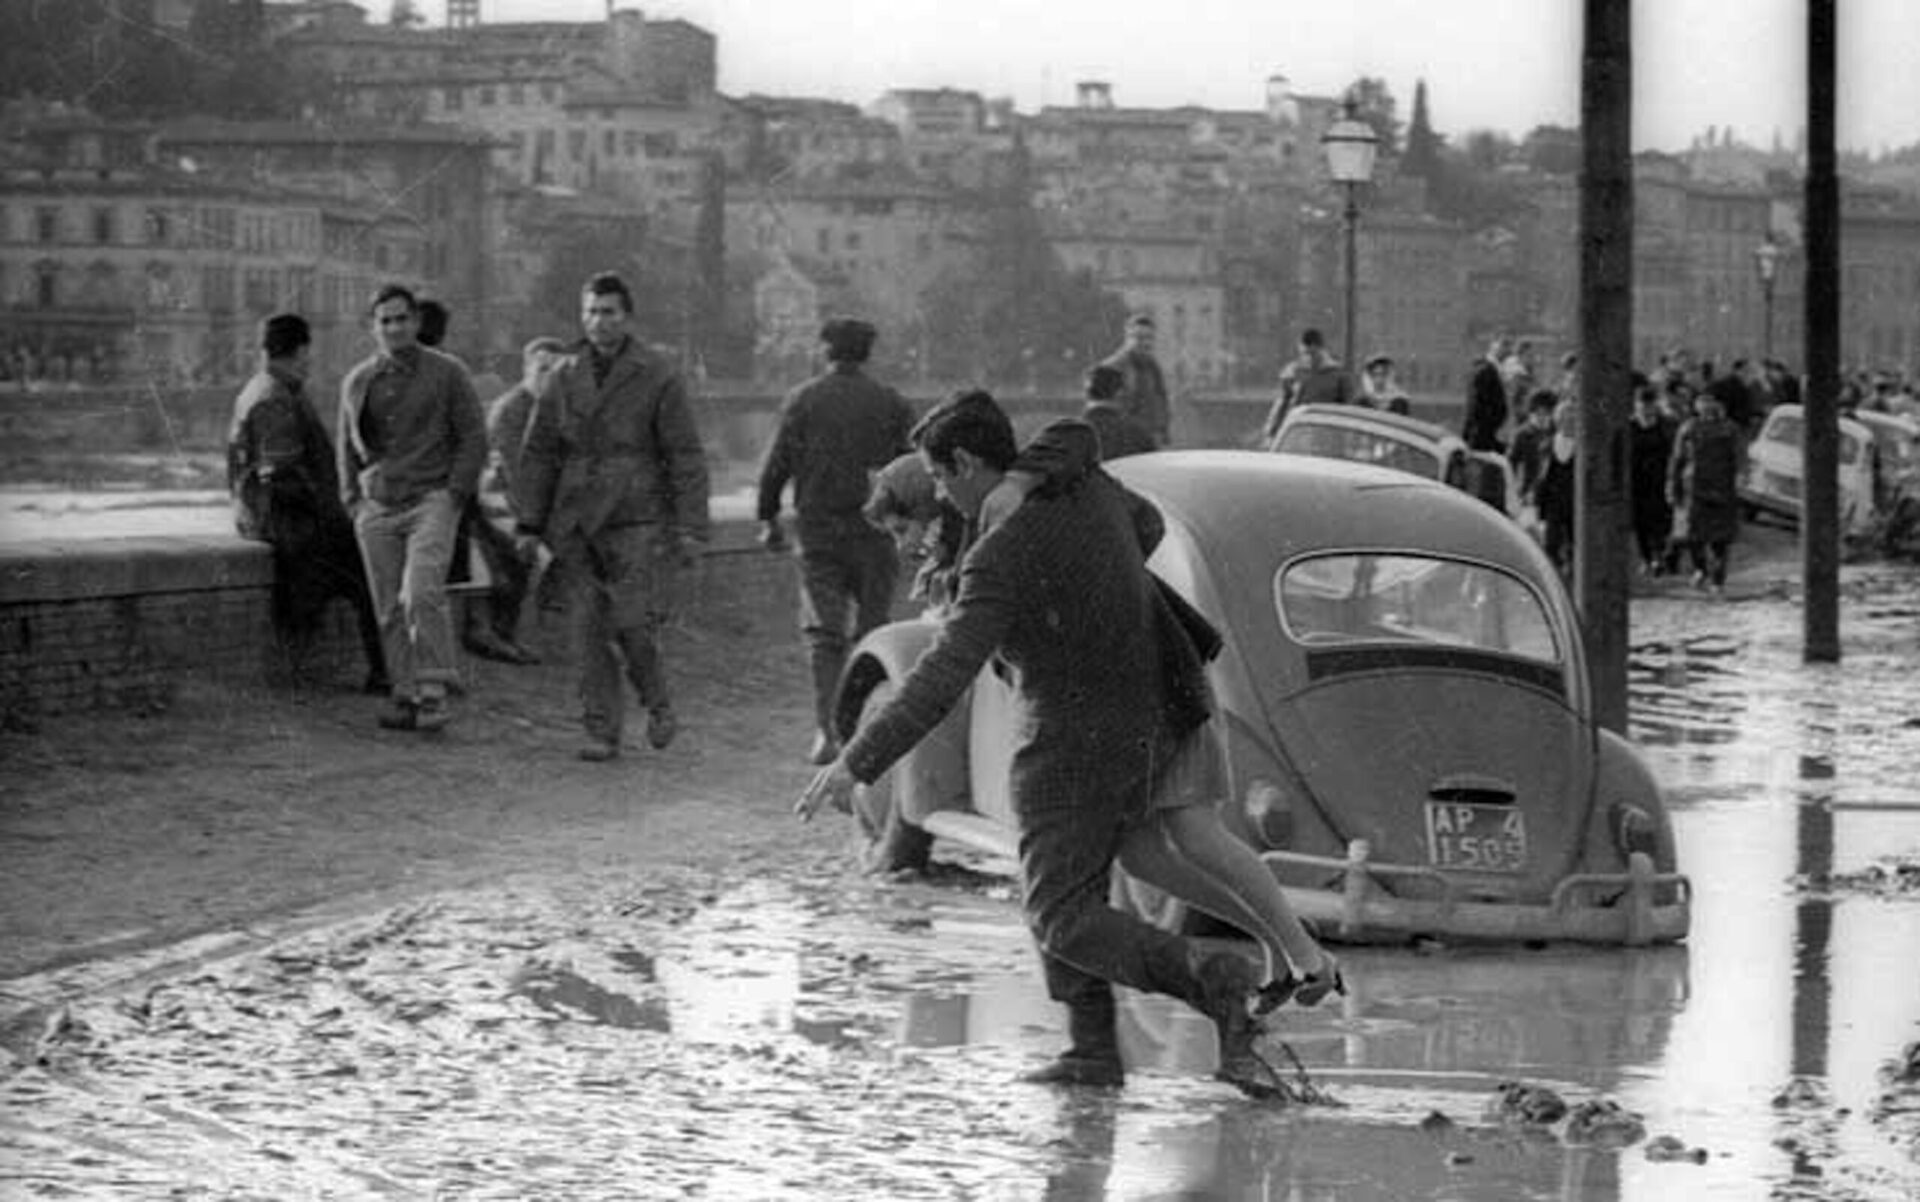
x=835, y=431
x=1059, y=595
x=1143, y=386
x=1486, y=414
x=614, y=479
x=286, y=492
x=1314, y=378
x=493, y=622
x=410, y=446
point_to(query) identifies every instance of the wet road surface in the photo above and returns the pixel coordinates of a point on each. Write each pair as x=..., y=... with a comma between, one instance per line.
x=802, y=1037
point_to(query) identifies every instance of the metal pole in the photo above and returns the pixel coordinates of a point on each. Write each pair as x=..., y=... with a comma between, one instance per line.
x=1353, y=271
x=1820, y=474
x=1766, y=336
x=1600, y=544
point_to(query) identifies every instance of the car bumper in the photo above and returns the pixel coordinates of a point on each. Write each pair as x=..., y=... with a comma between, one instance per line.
x=1633, y=908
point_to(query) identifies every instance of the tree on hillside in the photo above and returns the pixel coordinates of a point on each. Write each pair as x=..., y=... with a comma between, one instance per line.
x=405, y=14
x=1014, y=315
x=1373, y=101
x=1422, y=157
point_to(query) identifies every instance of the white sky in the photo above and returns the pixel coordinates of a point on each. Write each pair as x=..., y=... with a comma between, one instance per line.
x=1499, y=64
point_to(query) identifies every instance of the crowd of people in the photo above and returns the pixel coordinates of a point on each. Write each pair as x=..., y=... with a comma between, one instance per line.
x=1690, y=427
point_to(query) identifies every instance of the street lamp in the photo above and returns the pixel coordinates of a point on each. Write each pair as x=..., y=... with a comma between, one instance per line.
x=1350, y=144
x=1766, y=258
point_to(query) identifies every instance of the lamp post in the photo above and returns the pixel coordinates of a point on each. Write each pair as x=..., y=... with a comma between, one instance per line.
x=1766, y=258
x=1350, y=144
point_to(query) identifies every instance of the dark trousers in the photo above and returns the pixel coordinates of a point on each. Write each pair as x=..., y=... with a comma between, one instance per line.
x=1087, y=946
x=846, y=590
x=315, y=559
x=620, y=584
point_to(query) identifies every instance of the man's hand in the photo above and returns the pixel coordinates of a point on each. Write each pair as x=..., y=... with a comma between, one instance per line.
x=772, y=535
x=832, y=785
x=1006, y=496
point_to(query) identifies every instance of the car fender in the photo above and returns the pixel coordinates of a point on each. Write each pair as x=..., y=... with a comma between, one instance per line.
x=934, y=774
x=1624, y=780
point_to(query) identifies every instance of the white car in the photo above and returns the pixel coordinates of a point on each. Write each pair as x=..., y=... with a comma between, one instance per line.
x=1362, y=435
x=1879, y=463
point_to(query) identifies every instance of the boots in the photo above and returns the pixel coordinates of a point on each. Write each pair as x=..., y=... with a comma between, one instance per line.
x=1093, y=1059
x=1224, y=985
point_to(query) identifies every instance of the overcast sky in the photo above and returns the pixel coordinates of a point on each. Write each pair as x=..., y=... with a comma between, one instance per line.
x=1500, y=64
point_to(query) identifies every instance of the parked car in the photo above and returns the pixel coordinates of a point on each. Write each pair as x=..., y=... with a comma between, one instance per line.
x=1402, y=702
x=1395, y=440
x=1879, y=468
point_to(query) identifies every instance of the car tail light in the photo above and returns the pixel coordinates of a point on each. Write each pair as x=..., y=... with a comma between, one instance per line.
x=1634, y=829
x=1269, y=813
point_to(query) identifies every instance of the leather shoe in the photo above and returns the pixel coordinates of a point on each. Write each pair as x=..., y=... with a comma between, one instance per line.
x=825, y=750
x=661, y=727
x=488, y=645
x=432, y=713
x=400, y=715
x=1072, y=1070
x=599, y=751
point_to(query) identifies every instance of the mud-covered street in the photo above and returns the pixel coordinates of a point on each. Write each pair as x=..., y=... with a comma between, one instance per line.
x=254, y=949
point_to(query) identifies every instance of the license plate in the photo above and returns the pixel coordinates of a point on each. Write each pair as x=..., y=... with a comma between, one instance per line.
x=1476, y=838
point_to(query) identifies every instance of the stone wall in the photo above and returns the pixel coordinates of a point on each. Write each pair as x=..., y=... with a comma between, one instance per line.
x=115, y=623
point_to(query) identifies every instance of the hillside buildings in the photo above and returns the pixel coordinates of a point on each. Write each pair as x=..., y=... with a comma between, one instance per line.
x=477, y=159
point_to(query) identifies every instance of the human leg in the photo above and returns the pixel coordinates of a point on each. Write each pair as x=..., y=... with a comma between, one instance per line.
x=590, y=617
x=381, y=534
x=1066, y=859
x=1198, y=860
x=639, y=591
x=828, y=583
x=432, y=526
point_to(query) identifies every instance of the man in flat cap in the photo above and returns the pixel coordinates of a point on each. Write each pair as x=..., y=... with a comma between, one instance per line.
x=835, y=431
x=281, y=473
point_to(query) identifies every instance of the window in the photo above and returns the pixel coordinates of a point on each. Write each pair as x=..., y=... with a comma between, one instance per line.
x=46, y=223
x=609, y=144
x=853, y=240
x=103, y=225
x=46, y=285
x=452, y=99
x=576, y=144
x=1348, y=599
x=659, y=146
x=486, y=96
x=519, y=140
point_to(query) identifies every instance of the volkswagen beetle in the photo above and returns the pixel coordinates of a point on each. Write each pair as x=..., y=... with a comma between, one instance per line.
x=1402, y=701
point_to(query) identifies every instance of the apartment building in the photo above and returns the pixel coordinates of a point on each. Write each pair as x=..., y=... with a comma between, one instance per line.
x=121, y=265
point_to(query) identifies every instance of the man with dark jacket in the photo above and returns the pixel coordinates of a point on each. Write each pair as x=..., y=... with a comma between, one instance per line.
x=410, y=446
x=614, y=480
x=1143, y=386
x=1059, y=597
x=1486, y=413
x=836, y=430
x=1314, y=378
x=286, y=492
x=1119, y=434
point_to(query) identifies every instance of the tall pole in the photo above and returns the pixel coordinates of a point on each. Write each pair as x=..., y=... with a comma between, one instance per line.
x=1766, y=328
x=1353, y=271
x=1601, y=581
x=1820, y=475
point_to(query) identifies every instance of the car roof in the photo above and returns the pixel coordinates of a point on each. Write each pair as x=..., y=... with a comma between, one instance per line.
x=1273, y=506
x=1360, y=415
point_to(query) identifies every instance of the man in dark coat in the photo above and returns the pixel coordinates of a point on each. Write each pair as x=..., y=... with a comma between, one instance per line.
x=836, y=430
x=286, y=492
x=1143, y=386
x=1058, y=596
x=1120, y=435
x=1486, y=413
x=613, y=477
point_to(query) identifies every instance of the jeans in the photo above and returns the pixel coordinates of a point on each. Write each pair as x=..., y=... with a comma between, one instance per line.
x=406, y=549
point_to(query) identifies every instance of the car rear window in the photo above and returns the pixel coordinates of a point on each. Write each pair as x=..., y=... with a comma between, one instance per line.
x=1790, y=430
x=1331, y=600
x=1361, y=446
